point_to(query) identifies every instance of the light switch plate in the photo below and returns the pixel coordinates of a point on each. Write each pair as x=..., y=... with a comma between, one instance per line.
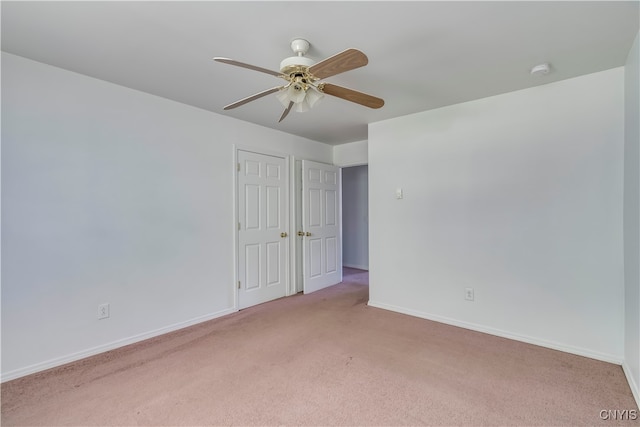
x=399, y=194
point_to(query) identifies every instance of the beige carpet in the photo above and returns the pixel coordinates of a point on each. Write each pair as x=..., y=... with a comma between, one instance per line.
x=322, y=359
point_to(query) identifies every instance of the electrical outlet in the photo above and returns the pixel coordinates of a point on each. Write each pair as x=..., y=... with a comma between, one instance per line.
x=103, y=311
x=468, y=294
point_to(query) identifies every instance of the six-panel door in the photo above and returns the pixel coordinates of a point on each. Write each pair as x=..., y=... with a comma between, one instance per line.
x=322, y=247
x=262, y=228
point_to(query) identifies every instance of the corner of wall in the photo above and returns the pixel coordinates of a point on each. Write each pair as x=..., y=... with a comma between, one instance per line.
x=635, y=390
x=631, y=224
x=351, y=154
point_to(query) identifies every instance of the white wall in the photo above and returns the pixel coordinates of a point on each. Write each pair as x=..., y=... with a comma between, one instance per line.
x=518, y=196
x=111, y=195
x=355, y=217
x=351, y=154
x=632, y=220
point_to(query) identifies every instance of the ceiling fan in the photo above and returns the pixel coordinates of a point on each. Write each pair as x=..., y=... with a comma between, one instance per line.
x=303, y=87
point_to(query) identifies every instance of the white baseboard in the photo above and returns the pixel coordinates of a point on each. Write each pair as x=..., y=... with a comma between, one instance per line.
x=610, y=358
x=632, y=383
x=38, y=367
x=359, y=267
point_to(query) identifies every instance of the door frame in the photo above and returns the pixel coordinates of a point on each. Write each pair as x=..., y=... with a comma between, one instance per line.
x=294, y=202
x=297, y=257
x=236, y=217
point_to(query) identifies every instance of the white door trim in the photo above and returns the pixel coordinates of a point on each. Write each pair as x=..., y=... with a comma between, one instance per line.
x=297, y=259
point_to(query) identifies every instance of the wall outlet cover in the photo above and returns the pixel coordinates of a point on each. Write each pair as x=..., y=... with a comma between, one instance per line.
x=103, y=311
x=468, y=294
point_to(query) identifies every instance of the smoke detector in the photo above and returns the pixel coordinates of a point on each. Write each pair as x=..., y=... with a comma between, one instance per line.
x=541, y=69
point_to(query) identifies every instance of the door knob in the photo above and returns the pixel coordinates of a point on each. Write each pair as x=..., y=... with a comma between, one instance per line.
x=300, y=233
x=283, y=234
x=308, y=234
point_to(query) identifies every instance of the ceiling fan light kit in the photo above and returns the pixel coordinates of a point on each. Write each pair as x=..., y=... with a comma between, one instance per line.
x=303, y=98
x=302, y=75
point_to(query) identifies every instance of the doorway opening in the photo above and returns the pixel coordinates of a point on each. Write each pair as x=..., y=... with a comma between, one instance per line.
x=355, y=218
x=355, y=275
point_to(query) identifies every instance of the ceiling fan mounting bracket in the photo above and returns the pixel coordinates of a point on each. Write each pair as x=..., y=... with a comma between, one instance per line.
x=297, y=65
x=300, y=46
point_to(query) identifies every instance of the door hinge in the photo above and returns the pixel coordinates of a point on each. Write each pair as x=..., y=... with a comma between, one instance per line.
x=239, y=228
x=239, y=285
x=238, y=167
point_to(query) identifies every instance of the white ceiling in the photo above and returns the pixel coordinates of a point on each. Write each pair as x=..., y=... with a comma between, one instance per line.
x=422, y=55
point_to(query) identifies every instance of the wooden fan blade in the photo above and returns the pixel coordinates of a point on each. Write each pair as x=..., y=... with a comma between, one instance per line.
x=249, y=66
x=351, y=95
x=344, y=61
x=286, y=111
x=252, y=97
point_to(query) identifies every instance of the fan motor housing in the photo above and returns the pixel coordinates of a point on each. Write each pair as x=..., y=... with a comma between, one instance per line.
x=295, y=64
